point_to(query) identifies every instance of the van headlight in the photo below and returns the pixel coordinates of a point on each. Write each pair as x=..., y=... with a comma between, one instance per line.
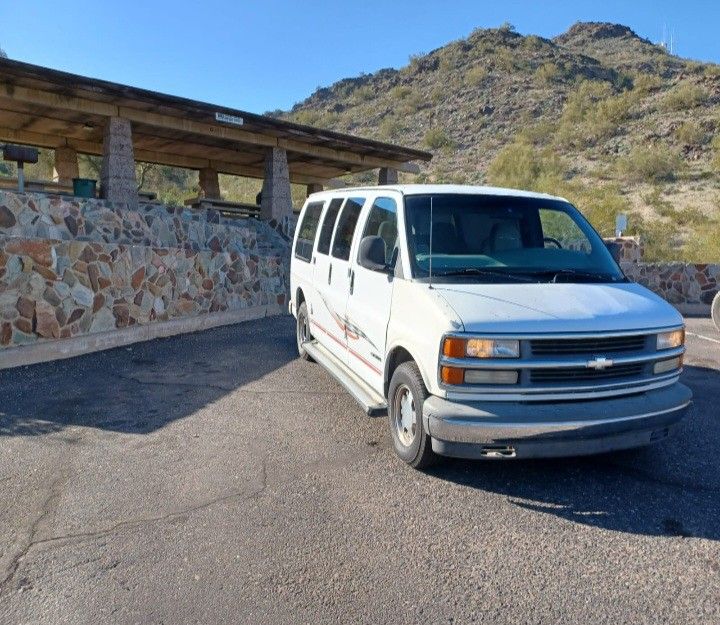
x=455, y=347
x=670, y=340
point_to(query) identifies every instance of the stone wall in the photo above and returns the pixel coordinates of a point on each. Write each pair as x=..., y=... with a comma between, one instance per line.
x=71, y=267
x=690, y=287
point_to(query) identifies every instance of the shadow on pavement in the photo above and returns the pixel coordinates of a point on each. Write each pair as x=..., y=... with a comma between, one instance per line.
x=670, y=489
x=140, y=388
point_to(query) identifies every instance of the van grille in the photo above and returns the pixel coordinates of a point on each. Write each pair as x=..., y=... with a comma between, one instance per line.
x=600, y=345
x=582, y=374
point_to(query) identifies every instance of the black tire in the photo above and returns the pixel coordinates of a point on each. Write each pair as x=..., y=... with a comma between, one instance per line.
x=715, y=311
x=302, y=332
x=416, y=449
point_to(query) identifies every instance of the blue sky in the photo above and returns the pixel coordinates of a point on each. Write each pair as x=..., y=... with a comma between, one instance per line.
x=263, y=55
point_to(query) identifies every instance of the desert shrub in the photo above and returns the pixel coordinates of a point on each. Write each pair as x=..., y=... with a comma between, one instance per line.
x=547, y=73
x=533, y=42
x=592, y=113
x=410, y=104
x=389, y=127
x=414, y=62
x=521, y=165
x=711, y=70
x=364, y=93
x=716, y=152
x=690, y=133
x=655, y=163
x=684, y=96
x=475, y=75
x=438, y=95
x=539, y=133
x=646, y=83
x=305, y=116
x=504, y=60
x=703, y=245
x=690, y=215
x=660, y=239
x=437, y=138
x=400, y=92
x=448, y=58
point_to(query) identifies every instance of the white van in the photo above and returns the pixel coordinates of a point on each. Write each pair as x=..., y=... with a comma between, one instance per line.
x=487, y=322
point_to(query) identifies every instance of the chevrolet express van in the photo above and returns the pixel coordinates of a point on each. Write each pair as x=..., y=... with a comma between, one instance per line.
x=487, y=322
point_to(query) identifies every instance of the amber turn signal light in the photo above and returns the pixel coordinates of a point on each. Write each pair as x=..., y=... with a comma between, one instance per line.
x=454, y=347
x=452, y=375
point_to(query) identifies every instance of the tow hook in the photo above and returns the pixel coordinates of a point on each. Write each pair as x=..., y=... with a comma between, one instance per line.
x=497, y=451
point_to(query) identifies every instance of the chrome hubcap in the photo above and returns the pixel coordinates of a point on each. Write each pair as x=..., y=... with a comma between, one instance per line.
x=405, y=415
x=302, y=330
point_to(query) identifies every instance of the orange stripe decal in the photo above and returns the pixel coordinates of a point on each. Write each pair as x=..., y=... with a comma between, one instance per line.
x=339, y=342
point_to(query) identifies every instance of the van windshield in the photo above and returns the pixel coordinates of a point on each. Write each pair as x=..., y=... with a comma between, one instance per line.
x=494, y=238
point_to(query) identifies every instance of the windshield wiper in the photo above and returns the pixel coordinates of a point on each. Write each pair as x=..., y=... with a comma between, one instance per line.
x=577, y=273
x=495, y=273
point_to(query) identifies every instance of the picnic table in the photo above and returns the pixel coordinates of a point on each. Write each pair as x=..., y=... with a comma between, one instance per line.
x=34, y=186
x=48, y=186
x=225, y=207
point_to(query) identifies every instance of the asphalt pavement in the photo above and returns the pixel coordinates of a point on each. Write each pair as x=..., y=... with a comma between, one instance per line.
x=216, y=478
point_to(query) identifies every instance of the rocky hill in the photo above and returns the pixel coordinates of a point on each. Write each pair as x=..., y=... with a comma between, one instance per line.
x=599, y=114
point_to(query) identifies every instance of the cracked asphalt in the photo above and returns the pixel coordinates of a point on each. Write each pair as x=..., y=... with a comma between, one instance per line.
x=215, y=478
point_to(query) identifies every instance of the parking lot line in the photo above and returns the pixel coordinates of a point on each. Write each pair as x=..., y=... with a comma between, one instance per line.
x=700, y=336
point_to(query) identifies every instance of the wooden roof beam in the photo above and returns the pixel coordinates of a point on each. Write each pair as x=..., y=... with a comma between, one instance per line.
x=94, y=107
x=149, y=156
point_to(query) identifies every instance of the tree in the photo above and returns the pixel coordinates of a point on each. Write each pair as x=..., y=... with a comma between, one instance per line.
x=3, y=55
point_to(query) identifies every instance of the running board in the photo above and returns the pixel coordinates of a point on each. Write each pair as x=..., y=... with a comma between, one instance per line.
x=372, y=403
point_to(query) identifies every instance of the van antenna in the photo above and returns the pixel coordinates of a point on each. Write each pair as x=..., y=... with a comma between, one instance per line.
x=431, y=232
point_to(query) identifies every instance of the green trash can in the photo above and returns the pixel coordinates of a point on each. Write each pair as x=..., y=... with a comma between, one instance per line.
x=84, y=187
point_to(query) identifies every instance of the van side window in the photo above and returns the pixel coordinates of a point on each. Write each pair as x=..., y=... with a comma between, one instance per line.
x=346, y=227
x=306, y=231
x=382, y=222
x=328, y=225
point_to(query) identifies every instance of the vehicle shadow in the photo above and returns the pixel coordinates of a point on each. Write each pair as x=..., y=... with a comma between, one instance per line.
x=670, y=489
x=142, y=387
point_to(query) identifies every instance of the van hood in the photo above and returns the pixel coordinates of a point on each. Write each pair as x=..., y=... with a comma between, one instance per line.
x=561, y=307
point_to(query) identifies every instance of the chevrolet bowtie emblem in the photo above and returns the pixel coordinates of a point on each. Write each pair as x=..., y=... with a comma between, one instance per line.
x=599, y=363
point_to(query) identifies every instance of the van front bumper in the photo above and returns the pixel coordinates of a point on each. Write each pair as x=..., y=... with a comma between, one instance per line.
x=564, y=428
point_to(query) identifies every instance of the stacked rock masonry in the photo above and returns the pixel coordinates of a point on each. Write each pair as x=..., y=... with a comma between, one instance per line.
x=71, y=266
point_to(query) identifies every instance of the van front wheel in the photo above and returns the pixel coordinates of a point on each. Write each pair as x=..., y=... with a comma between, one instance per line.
x=303, y=334
x=406, y=396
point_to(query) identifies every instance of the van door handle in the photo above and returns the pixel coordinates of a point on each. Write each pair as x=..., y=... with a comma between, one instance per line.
x=329, y=274
x=352, y=281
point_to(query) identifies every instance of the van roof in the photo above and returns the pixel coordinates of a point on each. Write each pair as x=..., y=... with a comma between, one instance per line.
x=423, y=189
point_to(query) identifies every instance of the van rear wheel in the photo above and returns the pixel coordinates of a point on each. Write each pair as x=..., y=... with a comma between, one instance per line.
x=303, y=334
x=406, y=396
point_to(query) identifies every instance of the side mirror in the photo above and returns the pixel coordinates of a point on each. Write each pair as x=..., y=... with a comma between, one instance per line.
x=614, y=249
x=372, y=254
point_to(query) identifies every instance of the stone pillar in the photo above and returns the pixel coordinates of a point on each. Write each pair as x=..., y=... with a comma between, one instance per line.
x=276, y=200
x=117, y=177
x=388, y=175
x=209, y=183
x=66, y=165
x=314, y=187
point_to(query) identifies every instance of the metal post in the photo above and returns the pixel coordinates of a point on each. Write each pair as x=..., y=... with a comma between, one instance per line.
x=21, y=176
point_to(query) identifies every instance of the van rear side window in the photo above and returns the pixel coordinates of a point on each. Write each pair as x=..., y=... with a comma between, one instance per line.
x=307, y=229
x=326, y=230
x=346, y=227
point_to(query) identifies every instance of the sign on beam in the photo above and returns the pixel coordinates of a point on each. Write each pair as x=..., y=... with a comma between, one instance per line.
x=229, y=119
